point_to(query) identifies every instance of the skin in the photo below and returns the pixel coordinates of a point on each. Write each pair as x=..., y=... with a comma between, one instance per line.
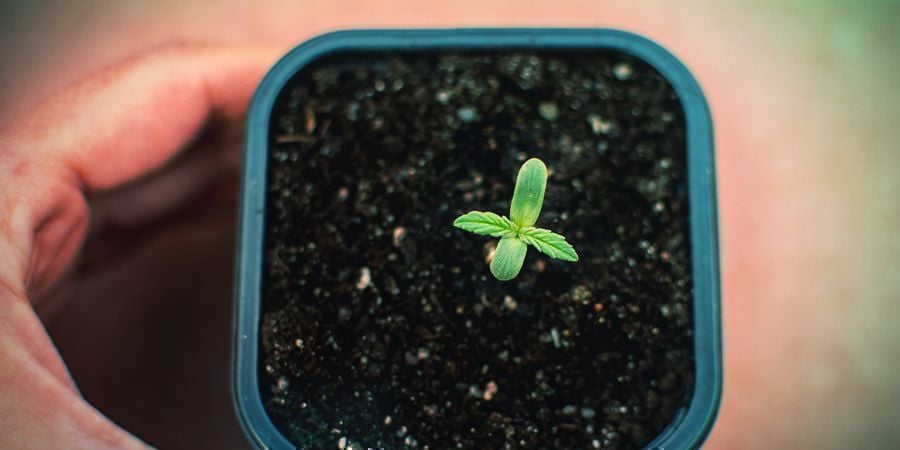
x=79, y=177
x=804, y=108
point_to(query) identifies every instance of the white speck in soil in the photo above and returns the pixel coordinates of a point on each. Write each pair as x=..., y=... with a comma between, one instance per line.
x=665, y=310
x=342, y=443
x=599, y=125
x=664, y=163
x=580, y=294
x=489, y=248
x=588, y=413
x=401, y=431
x=489, y=390
x=391, y=285
x=298, y=343
x=398, y=234
x=602, y=147
x=569, y=410
x=353, y=111
x=623, y=71
x=343, y=193
x=548, y=110
x=578, y=185
x=659, y=207
x=467, y=114
x=510, y=303
x=343, y=314
x=365, y=278
x=282, y=383
x=442, y=97
x=310, y=125
x=554, y=335
x=379, y=86
x=387, y=420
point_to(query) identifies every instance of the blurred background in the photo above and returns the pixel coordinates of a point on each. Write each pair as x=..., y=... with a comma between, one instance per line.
x=805, y=99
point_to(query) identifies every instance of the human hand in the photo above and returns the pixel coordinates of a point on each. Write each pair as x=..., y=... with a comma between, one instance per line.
x=101, y=168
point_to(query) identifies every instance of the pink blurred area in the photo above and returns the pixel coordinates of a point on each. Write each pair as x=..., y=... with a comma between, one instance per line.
x=805, y=100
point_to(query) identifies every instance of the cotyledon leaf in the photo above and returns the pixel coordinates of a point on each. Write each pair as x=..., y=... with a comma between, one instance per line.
x=529, y=193
x=508, y=258
x=487, y=223
x=549, y=243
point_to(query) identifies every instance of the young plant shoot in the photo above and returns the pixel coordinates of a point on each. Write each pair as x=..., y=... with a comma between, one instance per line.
x=518, y=231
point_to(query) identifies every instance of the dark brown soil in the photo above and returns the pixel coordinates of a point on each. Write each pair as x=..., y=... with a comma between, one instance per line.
x=383, y=326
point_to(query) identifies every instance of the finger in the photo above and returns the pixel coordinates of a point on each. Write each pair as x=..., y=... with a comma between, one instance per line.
x=167, y=190
x=130, y=118
x=107, y=131
x=40, y=410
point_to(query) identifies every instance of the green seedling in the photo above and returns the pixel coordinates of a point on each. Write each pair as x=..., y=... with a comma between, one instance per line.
x=518, y=231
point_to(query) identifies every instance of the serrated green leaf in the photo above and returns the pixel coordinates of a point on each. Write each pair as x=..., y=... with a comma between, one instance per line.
x=518, y=232
x=529, y=193
x=486, y=223
x=508, y=258
x=549, y=243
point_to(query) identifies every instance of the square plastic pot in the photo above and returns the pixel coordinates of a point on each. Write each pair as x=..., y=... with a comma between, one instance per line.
x=690, y=426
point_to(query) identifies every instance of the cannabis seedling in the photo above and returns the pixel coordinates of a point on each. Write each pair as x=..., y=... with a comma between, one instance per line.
x=518, y=230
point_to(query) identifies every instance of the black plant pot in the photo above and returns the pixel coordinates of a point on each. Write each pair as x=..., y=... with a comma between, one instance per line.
x=364, y=319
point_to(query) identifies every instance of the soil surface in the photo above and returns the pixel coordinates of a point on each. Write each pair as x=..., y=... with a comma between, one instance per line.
x=383, y=326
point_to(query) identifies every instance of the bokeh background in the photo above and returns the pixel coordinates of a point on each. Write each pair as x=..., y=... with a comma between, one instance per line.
x=805, y=99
